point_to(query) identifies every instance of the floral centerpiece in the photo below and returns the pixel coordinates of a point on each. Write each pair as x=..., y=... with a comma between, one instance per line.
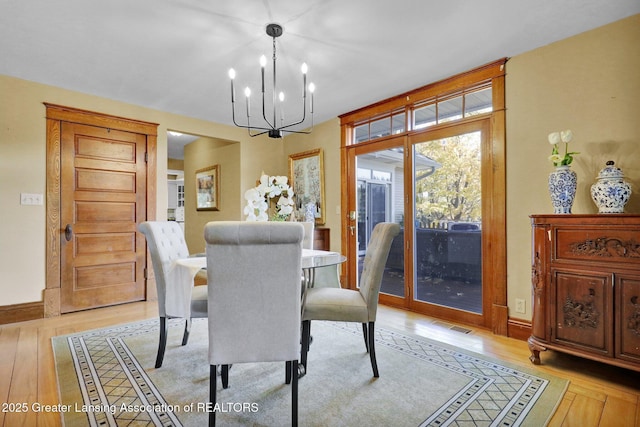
x=258, y=198
x=556, y=138
x=563, y=181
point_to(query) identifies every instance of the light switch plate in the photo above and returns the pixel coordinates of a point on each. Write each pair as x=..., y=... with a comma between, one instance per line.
x=31, y=199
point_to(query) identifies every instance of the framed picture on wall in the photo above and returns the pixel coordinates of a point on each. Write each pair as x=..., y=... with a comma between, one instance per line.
x=208, y=188
x=307, y=179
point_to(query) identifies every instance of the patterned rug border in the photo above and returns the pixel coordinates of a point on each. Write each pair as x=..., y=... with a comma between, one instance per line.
x=490, y=379
x=532, y=386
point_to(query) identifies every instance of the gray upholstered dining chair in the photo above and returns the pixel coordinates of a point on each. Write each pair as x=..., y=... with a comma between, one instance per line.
x=347, y=305
x=165, y=240
x=253, y=271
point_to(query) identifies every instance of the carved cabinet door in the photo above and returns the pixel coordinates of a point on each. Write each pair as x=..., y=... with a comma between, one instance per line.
x=628, y=317
x=582, y=303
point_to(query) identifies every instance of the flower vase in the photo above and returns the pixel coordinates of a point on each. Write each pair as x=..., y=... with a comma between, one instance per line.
x=310, y=212
x=562, y=189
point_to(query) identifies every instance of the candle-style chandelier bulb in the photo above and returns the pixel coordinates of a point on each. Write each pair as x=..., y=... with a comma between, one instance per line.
x=271, y=128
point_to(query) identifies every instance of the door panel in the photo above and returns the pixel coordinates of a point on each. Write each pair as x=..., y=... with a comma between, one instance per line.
x=580, y=315
x=380, y=198
x=628, y=317
x=447, y=218
x=103, y=198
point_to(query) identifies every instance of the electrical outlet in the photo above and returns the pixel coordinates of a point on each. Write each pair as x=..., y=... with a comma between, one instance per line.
x=520, y=308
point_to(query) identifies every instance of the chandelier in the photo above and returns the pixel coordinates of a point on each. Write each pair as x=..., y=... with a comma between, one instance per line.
x=273, y=126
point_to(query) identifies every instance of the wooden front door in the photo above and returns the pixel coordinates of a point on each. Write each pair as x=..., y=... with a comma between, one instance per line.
x=102, y=199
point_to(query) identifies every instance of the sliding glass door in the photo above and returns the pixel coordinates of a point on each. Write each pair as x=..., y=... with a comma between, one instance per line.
x=380, y=178
x=432, y=184
x=447, y=213
x=433, y=160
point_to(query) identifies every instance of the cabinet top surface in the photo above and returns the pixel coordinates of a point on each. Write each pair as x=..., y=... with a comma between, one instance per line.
x=568, y=216
x=585, y=219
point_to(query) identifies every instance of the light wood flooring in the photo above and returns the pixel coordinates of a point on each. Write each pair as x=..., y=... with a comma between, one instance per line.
x=599, y=395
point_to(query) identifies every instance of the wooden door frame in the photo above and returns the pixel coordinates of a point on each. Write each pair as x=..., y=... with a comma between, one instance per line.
x=498, y=318
x=55, y=115
x=490, y=194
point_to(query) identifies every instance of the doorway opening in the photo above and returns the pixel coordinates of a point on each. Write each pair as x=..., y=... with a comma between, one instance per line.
x=176, y=142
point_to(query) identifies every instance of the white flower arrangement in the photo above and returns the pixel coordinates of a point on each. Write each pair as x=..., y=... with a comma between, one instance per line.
x=556, y=138
x=258, y=199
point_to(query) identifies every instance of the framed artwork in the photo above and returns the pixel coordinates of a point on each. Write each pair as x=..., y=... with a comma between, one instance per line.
x=307, y=180
x=208, y=188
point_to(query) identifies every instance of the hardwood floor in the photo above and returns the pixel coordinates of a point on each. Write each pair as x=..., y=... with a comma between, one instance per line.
x=599, y=395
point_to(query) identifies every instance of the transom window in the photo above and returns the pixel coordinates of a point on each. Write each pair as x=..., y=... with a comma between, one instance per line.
x=430, y=112
x=379, y=127
x=453, y=107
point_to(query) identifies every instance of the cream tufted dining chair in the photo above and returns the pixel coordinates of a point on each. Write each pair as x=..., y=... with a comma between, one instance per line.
x=253, y=271
x=166, y=243
x=307, y=242
x=349, y=305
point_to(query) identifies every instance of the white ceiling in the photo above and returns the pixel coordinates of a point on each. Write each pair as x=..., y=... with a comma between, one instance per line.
x=173, y=55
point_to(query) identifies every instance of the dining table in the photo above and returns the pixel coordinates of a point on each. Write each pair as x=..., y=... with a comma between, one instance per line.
x=183, y=271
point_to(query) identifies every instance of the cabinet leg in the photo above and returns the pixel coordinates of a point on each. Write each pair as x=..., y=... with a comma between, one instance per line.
x=535, y=357
x=535, y=350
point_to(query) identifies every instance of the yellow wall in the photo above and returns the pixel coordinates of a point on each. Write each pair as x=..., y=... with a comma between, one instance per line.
x=23, y=170
x=175, y=164
x=200, y=154
x=327, y=137
x=590, y=84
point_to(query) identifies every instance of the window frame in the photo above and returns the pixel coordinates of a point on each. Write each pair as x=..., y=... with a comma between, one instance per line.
x=493, y=75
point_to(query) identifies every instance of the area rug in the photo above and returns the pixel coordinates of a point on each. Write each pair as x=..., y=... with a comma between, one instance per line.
x=106, y=378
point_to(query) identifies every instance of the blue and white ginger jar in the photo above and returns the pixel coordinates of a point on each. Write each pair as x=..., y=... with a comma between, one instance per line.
x=562, y=189
x=610, y=192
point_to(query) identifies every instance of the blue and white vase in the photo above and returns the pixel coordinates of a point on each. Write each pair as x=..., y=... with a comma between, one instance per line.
x=562, y=189
x=310, y=212
x=610, y=192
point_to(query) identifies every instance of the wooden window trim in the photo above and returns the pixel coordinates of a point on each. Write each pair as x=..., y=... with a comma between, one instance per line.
x=497, y=319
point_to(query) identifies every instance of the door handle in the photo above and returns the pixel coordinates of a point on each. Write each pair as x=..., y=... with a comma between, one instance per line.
x=68, y=232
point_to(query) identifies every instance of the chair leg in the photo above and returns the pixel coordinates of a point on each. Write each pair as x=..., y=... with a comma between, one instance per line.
x=162, y=344
x=294, y=393
x=364, y=334
x=225, y=376
x=213, y=383
x=372, y=349
x=187, y=331
x=306, y=334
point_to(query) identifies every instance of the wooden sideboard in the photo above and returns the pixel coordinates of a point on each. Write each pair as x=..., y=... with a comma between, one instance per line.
x=586, y=287
x=321, y=239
